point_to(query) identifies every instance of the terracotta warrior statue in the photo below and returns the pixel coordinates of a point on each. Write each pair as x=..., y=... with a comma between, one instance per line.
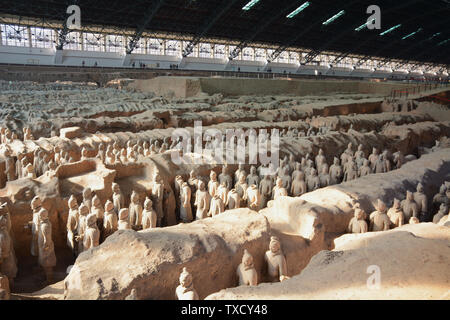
x=72, y=224
x=253, y=178
x=440, y=198
x=47, y=258
x=253, y=197
x=360, y=152
x=351, y=170
x=185, y=200
x=336, y=172
x=118, y=199
x=297, y=171
x=216, y=207
x=233, y=200
x=357, y=223
x=36, y=205
x=443, y=211
x=239, y=172
x=110, y=220
x=241, y=188
x=87, y=198
x=276, y=261
x=213, y=184
x=422, y=203
x=124, y=222
x=324, y=177
x=396, y=215
x=278, y=190
x=265, y=190
x=298, y=185
x=91, y=236
x=10, y=166
x=149, y=216
x=202, y=201
x=5, y=292
x=320, y=160
x=410, y=207
x=225, y=177
x=157, y=197
x=365, y=169
x=83, y=212
x=135, y=212
x=186, y=291
x=8, y=265
x=246, y=271
x=312, y=181
x=99, y=212
x=222, y=192
x=379, y=220
x=373, y=158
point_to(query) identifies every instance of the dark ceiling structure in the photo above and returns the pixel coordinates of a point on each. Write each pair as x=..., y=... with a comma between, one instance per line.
x=411, y=30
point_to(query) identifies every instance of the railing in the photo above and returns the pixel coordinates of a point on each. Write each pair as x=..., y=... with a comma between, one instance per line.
x=205, y=73
x=406, y=92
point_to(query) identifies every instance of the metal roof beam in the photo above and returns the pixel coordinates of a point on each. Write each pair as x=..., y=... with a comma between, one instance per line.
x=151, y=12
x=208, y=24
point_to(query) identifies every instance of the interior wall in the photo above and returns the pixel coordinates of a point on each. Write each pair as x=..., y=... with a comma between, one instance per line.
x=74, y=58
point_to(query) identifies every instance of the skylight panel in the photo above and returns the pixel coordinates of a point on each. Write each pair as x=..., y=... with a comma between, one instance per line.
x=411, y=34
x=249, y=5
x=337, y=15
x=443, y=42
x=298, y=10
x=390, y=30
x=434, y=35
x=364, y=25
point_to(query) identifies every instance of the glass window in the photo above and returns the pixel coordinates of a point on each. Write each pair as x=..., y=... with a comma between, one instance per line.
x=155, y=47
x=283, y=57
x=248, y=54
x=42, y=37
x=293, y=57
x=219, y=51
x=173, y=48
x=93, y=41
x=140, y=46
x=205, y=50
x=73, y=41
x=115, y=43
x=13, y=35
x=260, y=54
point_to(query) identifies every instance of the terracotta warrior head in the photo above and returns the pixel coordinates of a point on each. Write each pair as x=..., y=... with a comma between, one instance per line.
x=73, y=204
x=148, y=203
x=109, y=206
x=275, y=245
x=381, y=206
x=123, y=214
x=83, y=210
x=36, y=203
x=96, y=202
x=420, y=188
x=134, y=197
x=247, y=260
x=186, y=279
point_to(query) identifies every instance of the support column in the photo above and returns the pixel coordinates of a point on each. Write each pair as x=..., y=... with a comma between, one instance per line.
x=81, y=40
x=30, y=44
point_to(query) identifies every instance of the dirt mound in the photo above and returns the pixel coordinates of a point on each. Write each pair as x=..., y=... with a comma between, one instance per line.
x=412, y=262
x=150, y=261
